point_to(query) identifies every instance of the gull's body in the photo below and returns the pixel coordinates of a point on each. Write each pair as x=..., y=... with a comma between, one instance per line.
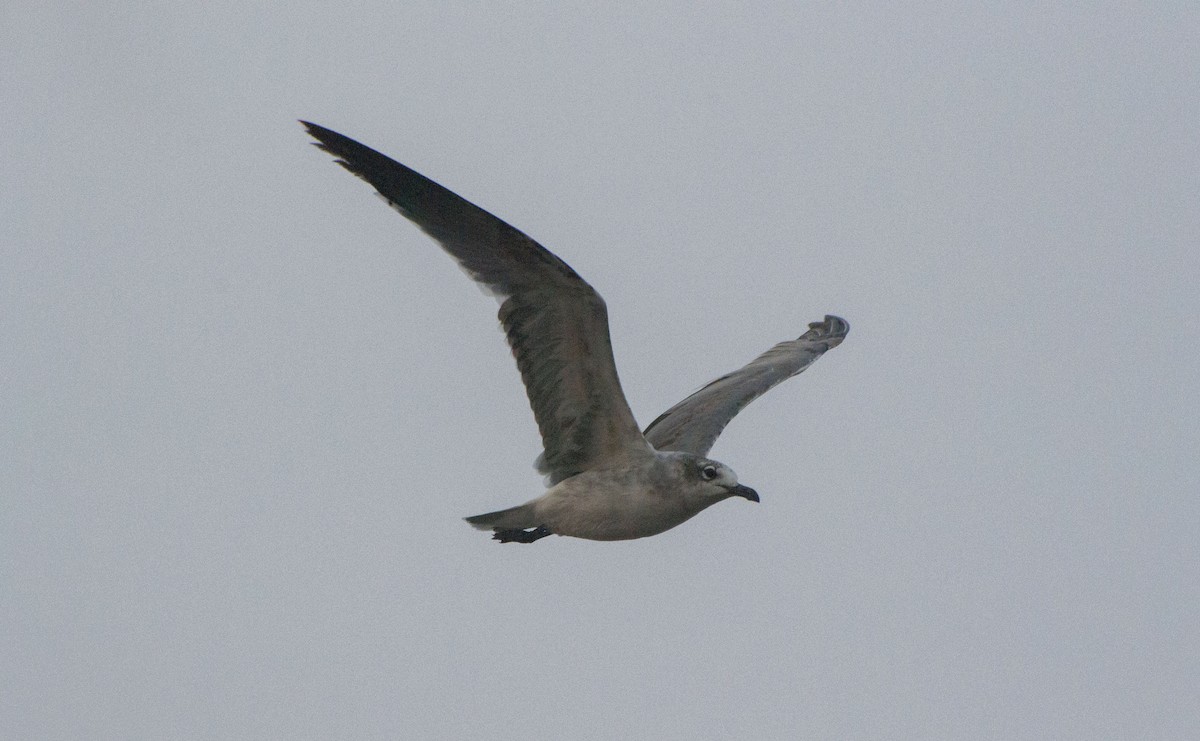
x=608, y=480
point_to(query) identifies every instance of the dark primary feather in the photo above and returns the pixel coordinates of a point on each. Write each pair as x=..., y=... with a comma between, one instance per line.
x=695, y=423
x=556, y=324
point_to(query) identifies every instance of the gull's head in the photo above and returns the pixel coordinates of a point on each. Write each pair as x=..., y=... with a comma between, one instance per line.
x=718, y=480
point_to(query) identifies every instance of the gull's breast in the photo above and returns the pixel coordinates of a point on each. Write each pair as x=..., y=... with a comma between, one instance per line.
x=611, y=505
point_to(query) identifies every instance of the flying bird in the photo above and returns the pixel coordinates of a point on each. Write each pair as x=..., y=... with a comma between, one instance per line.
x=608, y=480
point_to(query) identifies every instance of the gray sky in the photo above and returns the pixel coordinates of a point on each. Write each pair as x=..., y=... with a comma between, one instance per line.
x=245, y=405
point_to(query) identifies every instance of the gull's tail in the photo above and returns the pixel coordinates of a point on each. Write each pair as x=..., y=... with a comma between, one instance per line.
x=513, y=518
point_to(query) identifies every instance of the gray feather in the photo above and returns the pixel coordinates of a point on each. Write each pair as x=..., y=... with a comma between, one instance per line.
x=695, y=423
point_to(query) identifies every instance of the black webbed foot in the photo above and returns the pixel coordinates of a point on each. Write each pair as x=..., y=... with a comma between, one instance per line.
x=521, y=536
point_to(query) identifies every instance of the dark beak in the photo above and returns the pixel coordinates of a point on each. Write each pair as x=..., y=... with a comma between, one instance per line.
x=744, y=491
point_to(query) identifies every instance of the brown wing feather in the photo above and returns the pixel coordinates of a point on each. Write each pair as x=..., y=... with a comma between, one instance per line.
x=556, y=324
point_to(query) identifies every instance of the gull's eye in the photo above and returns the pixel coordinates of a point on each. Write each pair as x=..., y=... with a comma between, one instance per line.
x=708, y=473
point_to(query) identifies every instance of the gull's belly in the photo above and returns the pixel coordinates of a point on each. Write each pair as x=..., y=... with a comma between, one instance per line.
x=610, y=514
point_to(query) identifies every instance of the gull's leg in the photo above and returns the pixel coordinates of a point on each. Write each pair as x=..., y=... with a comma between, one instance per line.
x=522, y=536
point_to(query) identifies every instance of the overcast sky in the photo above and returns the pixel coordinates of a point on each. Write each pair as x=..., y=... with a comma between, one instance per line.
x=244, y=405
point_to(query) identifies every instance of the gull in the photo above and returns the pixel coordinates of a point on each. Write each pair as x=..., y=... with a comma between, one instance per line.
x=607, y=479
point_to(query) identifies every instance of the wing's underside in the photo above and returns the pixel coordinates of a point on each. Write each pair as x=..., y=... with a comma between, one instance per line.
x=695, y=423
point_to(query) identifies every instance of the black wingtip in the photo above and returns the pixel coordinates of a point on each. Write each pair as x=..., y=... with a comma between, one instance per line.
x=313, y=130
x=325, y=138
x=320, y=133
x=311, y=127
x=359, y=159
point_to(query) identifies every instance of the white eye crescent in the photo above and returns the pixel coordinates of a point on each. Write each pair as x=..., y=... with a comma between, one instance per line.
x=708, y=473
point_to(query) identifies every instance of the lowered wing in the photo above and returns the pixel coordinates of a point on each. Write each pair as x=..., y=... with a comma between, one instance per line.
x=695, y=423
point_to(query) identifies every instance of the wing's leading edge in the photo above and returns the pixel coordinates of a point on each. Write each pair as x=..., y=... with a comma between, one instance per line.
x=556, y=324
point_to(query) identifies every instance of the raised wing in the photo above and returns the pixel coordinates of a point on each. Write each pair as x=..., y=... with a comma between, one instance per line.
x=557, y=325
x=695, y=423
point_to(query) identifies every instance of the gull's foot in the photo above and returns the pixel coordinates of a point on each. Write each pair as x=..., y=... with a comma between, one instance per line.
x=522, y=536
